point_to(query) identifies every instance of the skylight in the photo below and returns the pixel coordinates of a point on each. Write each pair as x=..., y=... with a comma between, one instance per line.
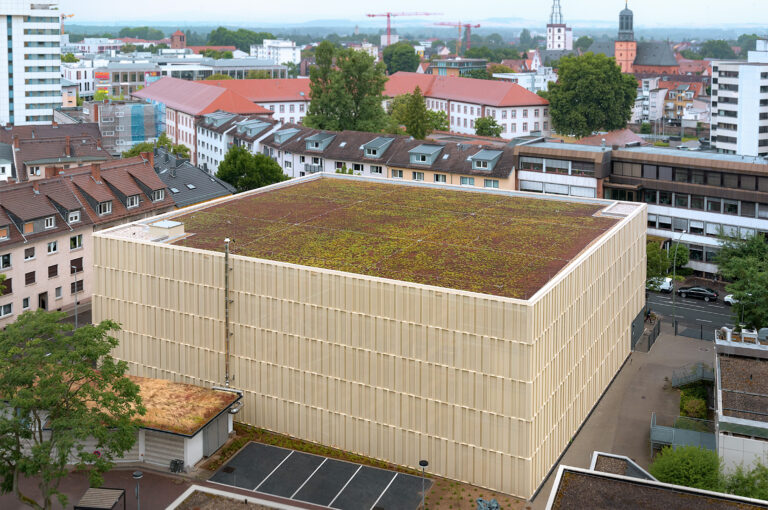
x=191, y=186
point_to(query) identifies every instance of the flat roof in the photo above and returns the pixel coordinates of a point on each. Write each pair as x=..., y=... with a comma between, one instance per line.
x=568, y=146
x=744, y=387
x=734, y=158
x=505, y=243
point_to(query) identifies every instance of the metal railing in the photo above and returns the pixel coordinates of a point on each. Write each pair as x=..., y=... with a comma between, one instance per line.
x=691, y=374
x=684, y=432
x=313, y=169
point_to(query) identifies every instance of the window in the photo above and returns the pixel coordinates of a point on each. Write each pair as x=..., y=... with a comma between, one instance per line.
x=418, y=176
x=6, y=310
x=713, y=179
x=679, y=224
x=525, y=126
x=29, y=227
x=76, y=242
x=492, y=183
x=8, y=283
x=29, y=278
x=76, y=287
x=440, y=178
x=665, y=223
x=74, y=216
x=375, y=169
x=697, y=177
x=748, y=209
x=730, y=180
x=53, y=271
x=697, y=202
x=730, y=207
x=132, y=201
x=481, y=165
x=25, y=303
x=397, y=174
x=357, y=167
x=3, y=233
x=422, y=158
x=467, y=181
x=714, y=204
x=50, y=222
x=105, y=207
x=651, y=221
x=58, y=292
x=5, y=261
x=53, y=247
x=29, y=253
x=665, y=198
x=681, y=200
x=158, y=195
x=76, y=265
x=191, y=186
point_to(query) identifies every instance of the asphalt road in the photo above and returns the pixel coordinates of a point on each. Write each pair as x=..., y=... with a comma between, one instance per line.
x=692, y=311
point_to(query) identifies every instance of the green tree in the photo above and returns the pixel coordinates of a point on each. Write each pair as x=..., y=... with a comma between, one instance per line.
x=293, y=69
x=480, y=74
x=499, y=69
x=217, y=54
x=750, y=483
x=583, y=43
x=645, y=128
x=246, y=171
x=591, y=94
x=416, y=116
x=526, y=41
x=400, y=57
x=346, y=96
x=70, y=58
x=260, y=74
x=691, y=55
x=155, y=48
x=747, y=43
x=69, y=384
x=438, y=120
x=163, y=141
x=679, y=255
x=146, y=33
x=242, y=39
x=717, y=49
x=128, y=48
x=100, y=95
x=744, y=263
x=219, y=76
x=487, y=126
x=657, y=261
x=688, y=465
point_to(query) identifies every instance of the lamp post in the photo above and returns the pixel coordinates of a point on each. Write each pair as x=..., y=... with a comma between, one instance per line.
x=423, y=463
x=674, y=275
x=74, y=271
x=137, y=475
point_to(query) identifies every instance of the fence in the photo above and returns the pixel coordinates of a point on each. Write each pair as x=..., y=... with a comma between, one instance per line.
x=691, y=374
x=683, y=431
x=646, y=340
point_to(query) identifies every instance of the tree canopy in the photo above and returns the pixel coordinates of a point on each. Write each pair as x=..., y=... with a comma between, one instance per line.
x=487, y=126
x=69, y=58
x=499, y=69
x=591, y=94
x=717, y=49
x=181, y=151
x=400, y=57
x=146, y=33
x=219, y=76
x=583, y=43
x=657, y=261
x=246, y=171
x=480, y=74
x=347, y=95
x=492, y=54
x=258, y=74
x=217, y=53
x=242, y=39
x=71, y=385
x=744, y=263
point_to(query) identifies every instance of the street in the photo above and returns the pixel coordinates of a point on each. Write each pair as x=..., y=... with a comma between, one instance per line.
x=691, y=311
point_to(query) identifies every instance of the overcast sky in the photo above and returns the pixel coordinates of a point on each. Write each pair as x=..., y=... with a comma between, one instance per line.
x=683, y=13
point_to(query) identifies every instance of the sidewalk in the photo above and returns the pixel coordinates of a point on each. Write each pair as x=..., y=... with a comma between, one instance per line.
x=620, y=422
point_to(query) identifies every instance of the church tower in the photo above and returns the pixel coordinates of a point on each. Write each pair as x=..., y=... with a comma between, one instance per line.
x=559, y=36
x=625, y=47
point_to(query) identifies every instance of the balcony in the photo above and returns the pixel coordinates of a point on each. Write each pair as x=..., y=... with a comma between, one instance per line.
x=312, y=169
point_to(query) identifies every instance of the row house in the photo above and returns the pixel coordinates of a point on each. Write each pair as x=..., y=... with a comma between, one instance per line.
x=287, y=99
x=217, y=132
x=518, y=111
x=185, y=103
x=46, y=226
x=301, y=151
x=693, y=197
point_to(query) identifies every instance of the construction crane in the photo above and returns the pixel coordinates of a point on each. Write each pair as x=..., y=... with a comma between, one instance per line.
x=63, y=17
x=460, y=25
x=389, y=21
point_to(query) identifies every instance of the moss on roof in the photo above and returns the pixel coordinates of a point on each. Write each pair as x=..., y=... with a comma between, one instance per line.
x=473, y=241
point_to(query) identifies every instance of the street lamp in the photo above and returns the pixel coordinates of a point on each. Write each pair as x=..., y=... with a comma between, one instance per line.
x=674, y=276
x=423, y=463
x=137, y=475
x=74, y=271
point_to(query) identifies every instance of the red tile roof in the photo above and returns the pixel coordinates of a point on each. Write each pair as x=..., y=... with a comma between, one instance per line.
x=198, y=98
x=467, y=90
x=277, y=90
x=696, y=87
x=178, y=32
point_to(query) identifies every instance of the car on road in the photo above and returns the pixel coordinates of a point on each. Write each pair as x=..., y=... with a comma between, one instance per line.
x=704, y=293
x=659, y=284
x=730, y=300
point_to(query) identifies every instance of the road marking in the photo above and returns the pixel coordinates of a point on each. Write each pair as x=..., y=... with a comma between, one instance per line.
x=703, y=320
x=382, y=492
x=273, y=471
x=345, y=485
x=310, y=476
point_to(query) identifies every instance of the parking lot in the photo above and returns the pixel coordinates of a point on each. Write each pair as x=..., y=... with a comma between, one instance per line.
x=320, y=480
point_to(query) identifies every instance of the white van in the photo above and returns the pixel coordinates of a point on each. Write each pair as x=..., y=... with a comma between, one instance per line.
x=659, y=285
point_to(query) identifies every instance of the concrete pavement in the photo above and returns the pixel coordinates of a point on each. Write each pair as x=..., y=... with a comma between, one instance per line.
x=620, y=422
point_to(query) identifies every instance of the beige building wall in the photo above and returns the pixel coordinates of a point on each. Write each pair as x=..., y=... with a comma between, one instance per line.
x=488, y=389
x=454, y=179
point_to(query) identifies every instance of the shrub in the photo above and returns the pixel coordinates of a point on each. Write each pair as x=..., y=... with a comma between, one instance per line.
x=688, y=465
x=694, y=408
x=645, y=128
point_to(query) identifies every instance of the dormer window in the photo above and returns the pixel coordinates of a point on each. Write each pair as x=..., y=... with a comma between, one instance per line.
x=371, y=153
x=105, y=207
x=50, y=222
x=158, y=195
x=314, y=145
x=132, y=201
x=73, y=217
x=422, y=158
x=482, y=165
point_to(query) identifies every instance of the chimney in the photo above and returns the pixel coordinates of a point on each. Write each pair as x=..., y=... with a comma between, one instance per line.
x=149, y=156
x=96, y=172
x=67, y=148
x=95, y=112
x=54, y=124
x=16, y=143
x=36, y=187
x=98, y=143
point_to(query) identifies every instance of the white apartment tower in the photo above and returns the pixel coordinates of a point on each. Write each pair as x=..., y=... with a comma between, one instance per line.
x=30, y=76
x=559, y=36
x=277, y=51
x=739, y=122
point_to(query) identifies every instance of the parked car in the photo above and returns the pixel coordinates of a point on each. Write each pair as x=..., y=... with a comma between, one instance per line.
x=660, y=284
x=704, y=293
x=730, y=300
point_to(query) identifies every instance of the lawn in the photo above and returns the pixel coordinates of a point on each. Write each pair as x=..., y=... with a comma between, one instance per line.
x=480, y=242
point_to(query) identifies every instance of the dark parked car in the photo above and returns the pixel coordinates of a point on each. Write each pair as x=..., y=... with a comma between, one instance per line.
x=698, y=292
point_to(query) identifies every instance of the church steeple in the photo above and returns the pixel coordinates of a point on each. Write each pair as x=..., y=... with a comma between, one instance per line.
x=626, y=24
x=556, y=18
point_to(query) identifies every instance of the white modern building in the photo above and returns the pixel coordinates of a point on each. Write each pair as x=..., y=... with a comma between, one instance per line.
x=278, y=51
x=649, y=103
x=96, y=45
x=30, y=76
x=739, y=122
x=533, y=81
x=559, y=35
x=81, y=73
